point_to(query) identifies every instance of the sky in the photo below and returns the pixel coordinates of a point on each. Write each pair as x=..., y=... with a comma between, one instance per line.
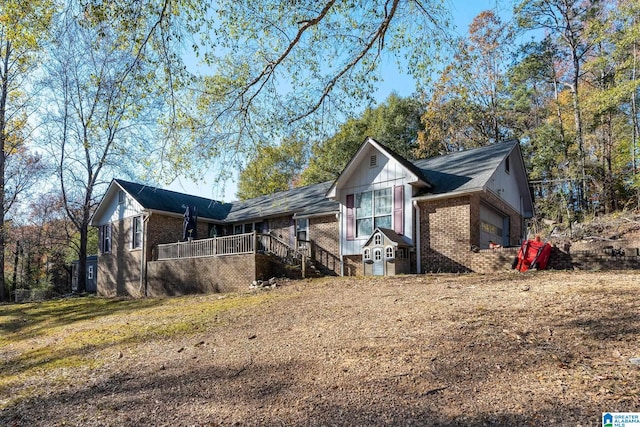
x=393, y=80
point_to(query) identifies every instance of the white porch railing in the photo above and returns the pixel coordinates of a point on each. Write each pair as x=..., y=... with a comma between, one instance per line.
x=215, y=246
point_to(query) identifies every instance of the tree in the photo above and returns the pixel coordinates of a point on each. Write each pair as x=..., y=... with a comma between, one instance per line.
x=466, y=105
x=107, y=80
x=282, y=68
x=271, y=169
x=395, y=123
x=23, y=29
x=568, y=21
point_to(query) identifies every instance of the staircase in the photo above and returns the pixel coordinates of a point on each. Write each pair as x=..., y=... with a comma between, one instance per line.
x=297, y=264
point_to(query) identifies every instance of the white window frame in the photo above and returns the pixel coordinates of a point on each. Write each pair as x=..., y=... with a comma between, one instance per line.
x=367, y=254
x=376, y=195
x=388, y=252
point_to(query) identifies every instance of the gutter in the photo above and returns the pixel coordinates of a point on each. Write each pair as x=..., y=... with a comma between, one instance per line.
x=143, y=255
x=448, y=195
x=339, y=218
x=417, y=231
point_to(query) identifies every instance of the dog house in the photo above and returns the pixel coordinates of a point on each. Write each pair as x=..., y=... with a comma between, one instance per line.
x=385, y=254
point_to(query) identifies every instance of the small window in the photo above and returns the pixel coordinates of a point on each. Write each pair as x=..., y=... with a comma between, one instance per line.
x=373, y=160
x=367, y=254
x=401, y=253
x=506, y=165
x=105, y=238
x=136, y=232
x=90, y=272
x=377, y=239
x=377, y=255
x=120, y=197
x=237, y=229
x=388, y=252
x=302, y=229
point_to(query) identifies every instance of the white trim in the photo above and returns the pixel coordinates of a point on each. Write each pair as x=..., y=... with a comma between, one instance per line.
x=447, y=195
x=417, y=231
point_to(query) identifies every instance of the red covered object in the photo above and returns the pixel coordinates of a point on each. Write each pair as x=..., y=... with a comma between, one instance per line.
x=533, y=254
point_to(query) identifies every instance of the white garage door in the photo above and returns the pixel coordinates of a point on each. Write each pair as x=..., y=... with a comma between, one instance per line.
x=493, y=227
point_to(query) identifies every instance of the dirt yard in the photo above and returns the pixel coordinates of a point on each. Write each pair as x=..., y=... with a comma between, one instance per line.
x=535, y=349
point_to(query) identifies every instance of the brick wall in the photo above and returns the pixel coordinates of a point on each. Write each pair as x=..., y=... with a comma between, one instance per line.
x=450, y=227
x=353, y=265
x=323, y=231
x=119, y=271
x=495, y=260
x=282, y=228
x=202, y=275
x=445, y=234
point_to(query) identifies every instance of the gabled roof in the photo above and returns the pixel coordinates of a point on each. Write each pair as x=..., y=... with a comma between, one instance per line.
x=390, y=234
x=414, y=174
x=463, y=171
x=301, y=201
x=157, y=199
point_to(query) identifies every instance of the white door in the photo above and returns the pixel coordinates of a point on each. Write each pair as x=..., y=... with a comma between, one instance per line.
x=378, y=262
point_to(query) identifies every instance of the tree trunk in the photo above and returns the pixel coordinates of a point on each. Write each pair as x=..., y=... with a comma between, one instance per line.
x=3, y=138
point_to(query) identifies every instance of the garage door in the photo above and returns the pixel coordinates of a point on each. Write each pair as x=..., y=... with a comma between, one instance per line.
x=494, y=226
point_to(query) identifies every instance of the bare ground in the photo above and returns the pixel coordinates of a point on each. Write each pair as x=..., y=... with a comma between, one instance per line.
x=535, y=349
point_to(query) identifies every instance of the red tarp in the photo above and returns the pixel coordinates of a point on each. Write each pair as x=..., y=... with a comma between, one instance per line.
x=533, y=254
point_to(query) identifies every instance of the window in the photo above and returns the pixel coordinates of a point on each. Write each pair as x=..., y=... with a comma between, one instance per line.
x=373, y=160
x=105, y=238
x=237, y=229
x=120, y=197
x=373, y=209
x=401, y=253
x=377, y=239
x=302, y=229
x=367, y=254
x=490, y=228
x=90, y=272
x=506, y=165
x=136, y=232
x=388, y=252
x=377, y=255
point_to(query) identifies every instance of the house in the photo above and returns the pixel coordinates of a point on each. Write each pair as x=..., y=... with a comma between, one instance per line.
x=385, y=254
x=427, y=213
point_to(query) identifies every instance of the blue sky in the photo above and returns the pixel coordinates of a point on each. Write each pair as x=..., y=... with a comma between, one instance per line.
x=463, y=12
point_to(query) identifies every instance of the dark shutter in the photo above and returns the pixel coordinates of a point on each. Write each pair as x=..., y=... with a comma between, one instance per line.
x=350, y=216
x=398, y=209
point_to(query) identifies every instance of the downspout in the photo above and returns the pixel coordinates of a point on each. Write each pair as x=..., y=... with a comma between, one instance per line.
x=339, y=218
x=143, y=255
x=416, y=208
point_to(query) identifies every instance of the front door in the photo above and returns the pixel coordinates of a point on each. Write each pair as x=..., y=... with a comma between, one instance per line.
x=378, y=262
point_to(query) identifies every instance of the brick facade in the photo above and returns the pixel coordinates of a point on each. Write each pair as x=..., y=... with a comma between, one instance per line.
x=119, y=270
x=324, y=232
x=450, y=227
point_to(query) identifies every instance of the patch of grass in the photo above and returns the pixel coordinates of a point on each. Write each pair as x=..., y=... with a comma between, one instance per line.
x=44, y=339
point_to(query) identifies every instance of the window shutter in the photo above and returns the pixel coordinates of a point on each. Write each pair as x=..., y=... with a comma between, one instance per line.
x=350, y=222
x=398, y=209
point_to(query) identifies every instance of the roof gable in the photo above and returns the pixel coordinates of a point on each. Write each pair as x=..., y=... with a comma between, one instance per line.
x=414, y=174
x=391, y=235
x=464, y=171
